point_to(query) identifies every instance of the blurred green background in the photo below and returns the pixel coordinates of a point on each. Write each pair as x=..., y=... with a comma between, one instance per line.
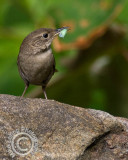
x=92, y=59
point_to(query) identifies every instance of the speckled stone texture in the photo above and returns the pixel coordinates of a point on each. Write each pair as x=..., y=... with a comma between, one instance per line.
x=64, y=132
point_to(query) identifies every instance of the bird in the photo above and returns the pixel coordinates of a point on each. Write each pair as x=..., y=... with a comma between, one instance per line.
x=36, y=63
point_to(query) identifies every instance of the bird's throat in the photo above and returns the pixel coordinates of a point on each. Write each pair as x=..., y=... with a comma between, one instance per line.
x=44, y=51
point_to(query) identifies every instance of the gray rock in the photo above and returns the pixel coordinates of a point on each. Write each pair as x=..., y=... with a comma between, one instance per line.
x=49, y=130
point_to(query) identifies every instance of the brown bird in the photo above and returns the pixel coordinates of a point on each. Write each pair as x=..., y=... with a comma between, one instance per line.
x=36, y=63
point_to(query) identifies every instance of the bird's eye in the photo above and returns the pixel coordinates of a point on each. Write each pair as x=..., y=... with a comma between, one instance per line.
x=45, y=35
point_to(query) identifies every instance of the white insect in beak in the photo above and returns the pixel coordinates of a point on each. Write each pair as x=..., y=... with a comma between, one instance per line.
x=62, y=31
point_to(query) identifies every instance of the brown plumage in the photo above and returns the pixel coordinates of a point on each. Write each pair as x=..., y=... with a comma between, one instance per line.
x=36, y=63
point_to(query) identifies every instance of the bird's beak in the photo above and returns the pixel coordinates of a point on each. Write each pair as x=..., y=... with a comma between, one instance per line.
x=57, y=31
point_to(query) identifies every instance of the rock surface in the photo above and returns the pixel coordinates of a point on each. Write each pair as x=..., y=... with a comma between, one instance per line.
x=38, y=129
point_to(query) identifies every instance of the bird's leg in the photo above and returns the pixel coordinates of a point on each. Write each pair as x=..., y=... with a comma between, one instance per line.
x=45, y=95
x=26, y=86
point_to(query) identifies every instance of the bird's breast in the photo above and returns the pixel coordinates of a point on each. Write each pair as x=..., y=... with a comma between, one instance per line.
x=39, y=67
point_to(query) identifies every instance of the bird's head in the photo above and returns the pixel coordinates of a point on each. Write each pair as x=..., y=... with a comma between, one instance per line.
x=39, y=39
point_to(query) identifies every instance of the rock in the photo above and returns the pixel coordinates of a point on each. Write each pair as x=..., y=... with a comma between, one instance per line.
x=38, y=129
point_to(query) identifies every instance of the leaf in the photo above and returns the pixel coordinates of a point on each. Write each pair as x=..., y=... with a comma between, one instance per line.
x=87, y=19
